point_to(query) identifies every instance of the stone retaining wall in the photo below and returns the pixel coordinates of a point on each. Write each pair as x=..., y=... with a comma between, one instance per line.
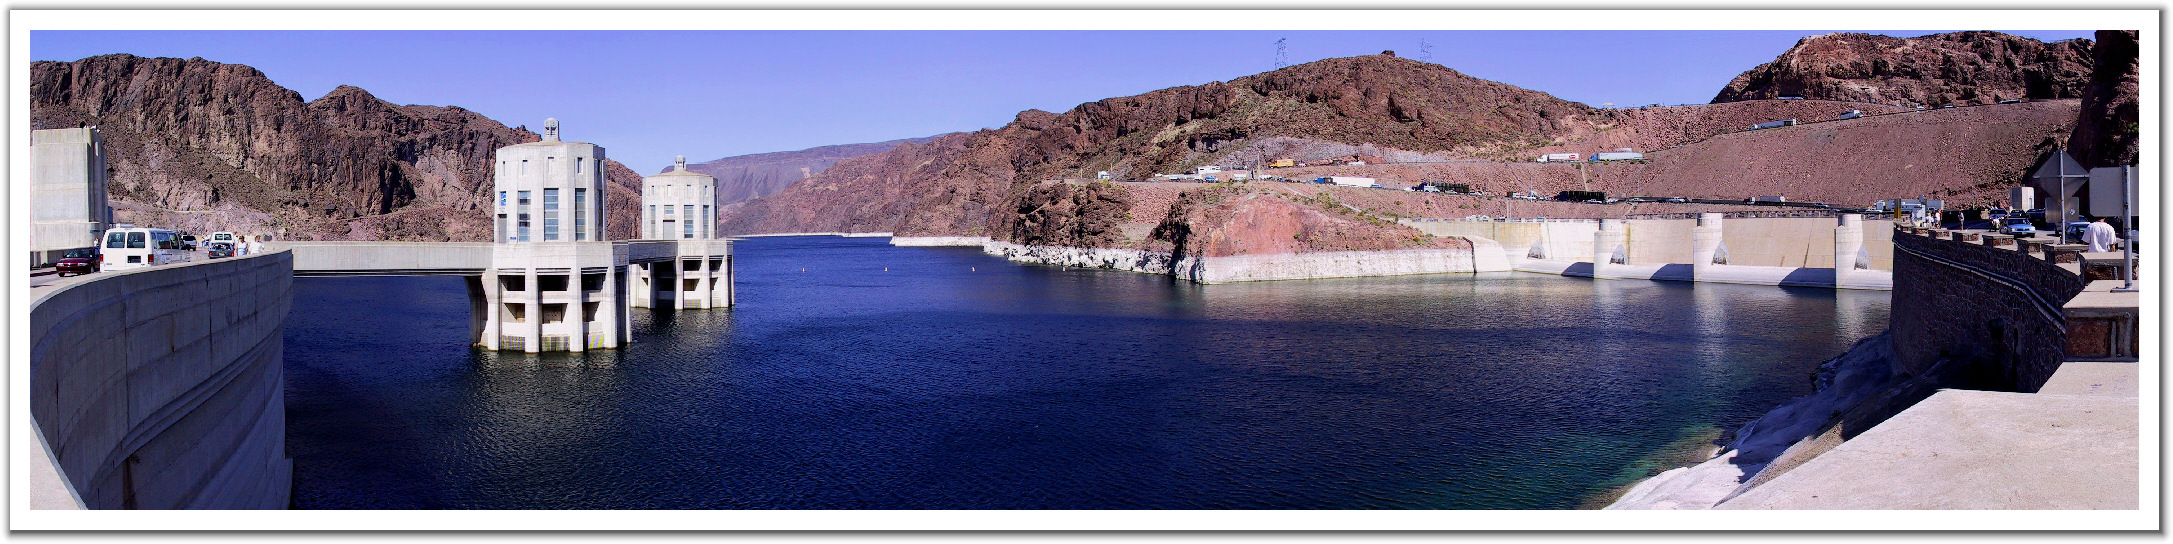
x=161, y=387
x=1985, y=307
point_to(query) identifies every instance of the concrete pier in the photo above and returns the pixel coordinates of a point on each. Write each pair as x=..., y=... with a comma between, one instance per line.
x=1609, y=249
x=698, y=276
x=1705, y=244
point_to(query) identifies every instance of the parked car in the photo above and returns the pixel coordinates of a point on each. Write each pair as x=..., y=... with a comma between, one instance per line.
x=2018, y=226
x=221, y=249
x=77, y=261
x=2075, y=229
x=188, y=242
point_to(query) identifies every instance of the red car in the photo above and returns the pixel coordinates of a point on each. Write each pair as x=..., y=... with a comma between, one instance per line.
x=77, y=261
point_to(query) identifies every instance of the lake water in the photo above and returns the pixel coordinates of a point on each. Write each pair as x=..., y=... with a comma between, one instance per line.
x=958, y=380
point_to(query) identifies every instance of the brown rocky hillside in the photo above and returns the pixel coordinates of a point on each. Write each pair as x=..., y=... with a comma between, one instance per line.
x=1960, y=68
x=2106, y=128
x=203, y=146
x=949, y=185
x=1969, y=156
x=1381, y=104
x=746, y=177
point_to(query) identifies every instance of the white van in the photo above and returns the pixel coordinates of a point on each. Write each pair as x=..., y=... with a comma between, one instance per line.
x=140, y=247
x=222, y=236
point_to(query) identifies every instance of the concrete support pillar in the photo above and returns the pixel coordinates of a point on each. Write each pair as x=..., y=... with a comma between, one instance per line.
x=1848, y=239
x=701, y=281
x=577, y=311
x=637, y=276
x=612, y=303
x=731, y=278
x=532, y=331
x=1704, y=242
x=483, y=301
x=1605, y=242
x=493, y=296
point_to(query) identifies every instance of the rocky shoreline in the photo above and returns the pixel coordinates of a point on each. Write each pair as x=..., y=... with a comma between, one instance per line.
x=1238, y=268
x=1860, y=380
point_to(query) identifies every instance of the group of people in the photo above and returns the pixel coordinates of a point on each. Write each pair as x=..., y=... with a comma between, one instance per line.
x=253, y=245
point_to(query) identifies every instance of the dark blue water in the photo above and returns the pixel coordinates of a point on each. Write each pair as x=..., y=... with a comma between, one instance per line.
x=958, y=380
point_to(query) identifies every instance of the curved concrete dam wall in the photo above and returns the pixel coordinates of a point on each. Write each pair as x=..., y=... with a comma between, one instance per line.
x=161, y=388
x=1794, y=242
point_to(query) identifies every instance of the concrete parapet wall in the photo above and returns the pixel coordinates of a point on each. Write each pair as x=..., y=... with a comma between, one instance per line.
x=386, y=258
x=647, y=251
x=1990, y=308
x=161, y=387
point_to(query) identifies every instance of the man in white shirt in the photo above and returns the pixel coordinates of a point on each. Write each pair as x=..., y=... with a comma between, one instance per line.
x=2100, y=236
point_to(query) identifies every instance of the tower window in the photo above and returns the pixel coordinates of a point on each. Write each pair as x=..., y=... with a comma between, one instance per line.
x=550, y=215
x=580, y=212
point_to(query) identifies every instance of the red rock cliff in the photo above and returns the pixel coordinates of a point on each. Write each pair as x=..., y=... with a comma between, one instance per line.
x=191, y=135
x=1960, y=68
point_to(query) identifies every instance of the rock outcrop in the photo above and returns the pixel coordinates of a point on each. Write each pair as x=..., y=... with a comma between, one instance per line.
x=2106, y=128
x=203, y=146
x=1960, y=68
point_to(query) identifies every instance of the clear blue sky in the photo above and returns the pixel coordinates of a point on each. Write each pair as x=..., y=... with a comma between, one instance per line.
x=648, y=95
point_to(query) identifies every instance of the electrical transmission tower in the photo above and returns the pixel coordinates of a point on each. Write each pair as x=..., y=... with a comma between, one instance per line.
x=1282, y=53
x=1425, y=50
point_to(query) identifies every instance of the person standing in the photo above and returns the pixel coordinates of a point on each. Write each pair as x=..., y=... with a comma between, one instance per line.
x=256, y=244
x=2100, y=236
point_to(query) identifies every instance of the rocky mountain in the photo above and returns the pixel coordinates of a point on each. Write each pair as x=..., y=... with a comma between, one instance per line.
x=202, y=146
x=1960, y=68
x=2105, y=129
x=746, y=177
x=949, y=185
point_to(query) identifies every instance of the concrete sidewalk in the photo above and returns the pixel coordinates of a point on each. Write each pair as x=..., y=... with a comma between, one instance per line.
x=2072, y=445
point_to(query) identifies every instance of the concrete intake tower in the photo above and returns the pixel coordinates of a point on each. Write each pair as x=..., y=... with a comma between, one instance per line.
x=553, y=283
